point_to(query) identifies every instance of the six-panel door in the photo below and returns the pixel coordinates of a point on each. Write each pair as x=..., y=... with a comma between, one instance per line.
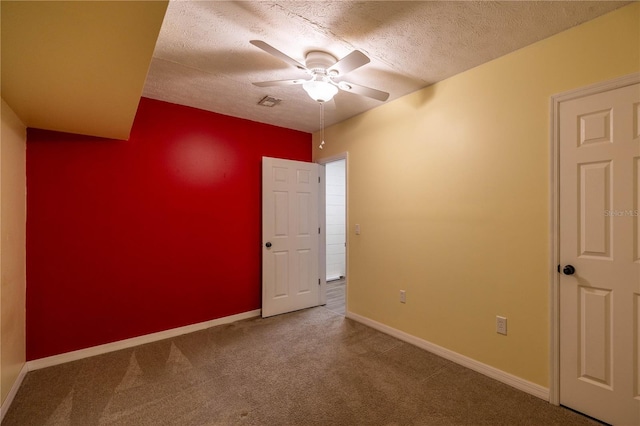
x=599, y=236
x=290, y=274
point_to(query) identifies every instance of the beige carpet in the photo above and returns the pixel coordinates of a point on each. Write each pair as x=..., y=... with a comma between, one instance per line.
x=336, y=296
x=312, y=367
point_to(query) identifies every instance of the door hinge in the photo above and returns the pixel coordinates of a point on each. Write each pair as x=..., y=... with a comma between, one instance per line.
x=318, y=281
x=318, y=230
x=318, y=179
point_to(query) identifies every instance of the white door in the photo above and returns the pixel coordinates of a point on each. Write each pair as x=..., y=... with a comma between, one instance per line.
x=290, y=236
x=600, y=237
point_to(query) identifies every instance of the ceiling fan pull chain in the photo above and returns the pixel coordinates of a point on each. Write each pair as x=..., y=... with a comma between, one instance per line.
x=321, y=123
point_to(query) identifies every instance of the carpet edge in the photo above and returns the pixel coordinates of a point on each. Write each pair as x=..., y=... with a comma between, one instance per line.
x=4, y=407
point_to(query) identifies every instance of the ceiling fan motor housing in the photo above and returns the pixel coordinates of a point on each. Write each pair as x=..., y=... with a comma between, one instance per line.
x=318, y=62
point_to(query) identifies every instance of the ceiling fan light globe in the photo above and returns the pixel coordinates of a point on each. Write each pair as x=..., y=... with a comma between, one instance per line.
x=320, y=91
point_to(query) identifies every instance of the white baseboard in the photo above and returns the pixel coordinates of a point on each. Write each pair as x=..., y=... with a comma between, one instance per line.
x=135, y=341
x=487, y=370
x=4, y=407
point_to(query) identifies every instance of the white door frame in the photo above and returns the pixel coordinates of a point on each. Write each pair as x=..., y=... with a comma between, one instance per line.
x=554, y=219
x=323, y=237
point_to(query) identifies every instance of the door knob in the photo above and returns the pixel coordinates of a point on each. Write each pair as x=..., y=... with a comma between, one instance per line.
x=568, y=270
x=268, y=245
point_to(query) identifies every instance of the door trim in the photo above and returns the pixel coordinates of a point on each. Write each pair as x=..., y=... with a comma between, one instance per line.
x=323, y=238
x=554, y=217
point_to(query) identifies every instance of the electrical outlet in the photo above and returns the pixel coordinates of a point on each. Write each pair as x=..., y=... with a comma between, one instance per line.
x=403, y=296
x=501, y=325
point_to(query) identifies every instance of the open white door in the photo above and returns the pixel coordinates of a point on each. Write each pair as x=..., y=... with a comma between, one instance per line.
x=290, y=236
x=600, y=255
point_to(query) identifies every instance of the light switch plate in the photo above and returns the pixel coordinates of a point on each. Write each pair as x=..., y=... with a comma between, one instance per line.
x=501, y=325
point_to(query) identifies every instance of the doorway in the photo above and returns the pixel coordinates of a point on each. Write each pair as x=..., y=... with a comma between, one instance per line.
x=336, y=235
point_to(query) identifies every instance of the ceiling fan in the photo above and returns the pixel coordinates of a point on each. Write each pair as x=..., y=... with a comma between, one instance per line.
x=323, y=68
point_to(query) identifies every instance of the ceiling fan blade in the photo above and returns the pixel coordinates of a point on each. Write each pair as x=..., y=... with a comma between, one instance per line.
x=364, y=91
x=278, y=83
x=278, y=54
x=353, y=60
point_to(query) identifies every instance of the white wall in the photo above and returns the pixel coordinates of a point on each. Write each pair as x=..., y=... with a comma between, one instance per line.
x=336, y=219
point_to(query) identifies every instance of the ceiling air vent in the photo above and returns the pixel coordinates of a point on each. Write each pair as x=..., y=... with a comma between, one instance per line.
x=269, y=101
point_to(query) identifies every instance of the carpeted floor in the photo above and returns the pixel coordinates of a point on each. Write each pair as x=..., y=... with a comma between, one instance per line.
x=312, y=367
x=336, y=296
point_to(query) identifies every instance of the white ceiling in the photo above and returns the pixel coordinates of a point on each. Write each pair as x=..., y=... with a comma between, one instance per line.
x=203, y=57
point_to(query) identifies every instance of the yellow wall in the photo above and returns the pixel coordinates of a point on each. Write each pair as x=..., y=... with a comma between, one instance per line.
x=451, y=188
x=83, y=69
x=13, y=139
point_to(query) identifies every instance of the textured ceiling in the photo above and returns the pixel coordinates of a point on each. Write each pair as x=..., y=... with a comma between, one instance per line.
x=203, y=57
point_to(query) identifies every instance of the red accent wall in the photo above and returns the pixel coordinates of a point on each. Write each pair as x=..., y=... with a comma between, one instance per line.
x=126, y=238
